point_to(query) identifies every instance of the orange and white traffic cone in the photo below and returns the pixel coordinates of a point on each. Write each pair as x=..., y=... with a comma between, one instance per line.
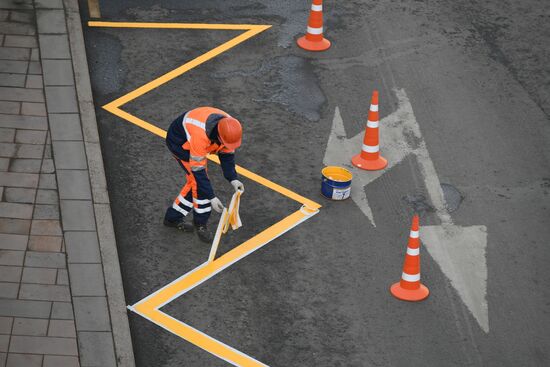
x=370, y=158
x=314, y=40
x=410, y=288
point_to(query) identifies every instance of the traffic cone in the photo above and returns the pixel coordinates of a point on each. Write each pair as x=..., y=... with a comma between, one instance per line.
x=410, y=288
x=369, y=158
x=314, y=40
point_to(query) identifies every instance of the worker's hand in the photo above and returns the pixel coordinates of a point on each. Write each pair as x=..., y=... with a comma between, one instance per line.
x=237, y=185
x=217, y=205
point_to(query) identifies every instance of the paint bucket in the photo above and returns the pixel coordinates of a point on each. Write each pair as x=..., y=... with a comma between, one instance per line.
x=336, y=183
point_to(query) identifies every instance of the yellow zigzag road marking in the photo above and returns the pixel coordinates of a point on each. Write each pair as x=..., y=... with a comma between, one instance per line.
x=150, y=305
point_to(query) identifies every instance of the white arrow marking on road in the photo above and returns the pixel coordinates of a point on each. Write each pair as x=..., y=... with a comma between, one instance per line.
x=459, y=251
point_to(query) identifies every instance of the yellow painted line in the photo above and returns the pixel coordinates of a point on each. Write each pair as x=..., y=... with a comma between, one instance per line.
x=157, y=25
x=149, y=306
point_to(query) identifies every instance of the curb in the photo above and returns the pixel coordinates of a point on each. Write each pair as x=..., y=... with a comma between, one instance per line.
x=102, y=208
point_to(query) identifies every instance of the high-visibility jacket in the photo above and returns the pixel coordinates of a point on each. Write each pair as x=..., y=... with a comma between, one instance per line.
x=194, y=135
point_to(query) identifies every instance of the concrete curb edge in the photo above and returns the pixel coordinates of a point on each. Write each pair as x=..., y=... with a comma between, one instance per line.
x=102, y=208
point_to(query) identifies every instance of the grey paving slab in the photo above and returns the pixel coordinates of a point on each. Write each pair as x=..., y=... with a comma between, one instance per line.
x=15, y=4
x=10, y=273
x=26, y=165
x=47, y=181
x=10, y=241
x=57, y=72
x=87, y=279
x=8, y=290
x=46, y=211
x=45, y=243
x=11, y=257
x=28, y=326
x=47, y=166
x=5, y=325
x=23, y=122
x=14, y=226
x=12, y=80
x=30, y=137
x=62, y=328
x=4, y=342
x=60, y=361
x=15, y=210
x=39, y=275
x=44, y=292
x=8, y=150
x=21, y=95
x=14, y=66
x=19, y=179
x=26, y=360
x=74, y=184
x=21, y=308
x=62, y=311
x=20, y=41
x=4, y=165
x=10, y=107
x=45, y=259
x=50, y=21
x=61, y=99
x=29, y=151
x=47, y=197
x=7, y=135
x=15, y=53
x=35, y=67
x=22, y=16
x=54, y=46
x=35, y=54
x=69, y=155
x=3, y=357
x=33, y=109
x=96, y=349
x=43, y=345
x=48, y=4
x=17, y=28
x=65, y=126
x=19, y=194
x=91, y=314
x=34, y=81
x=78, y=215
x=82, y=247
x=62, y=277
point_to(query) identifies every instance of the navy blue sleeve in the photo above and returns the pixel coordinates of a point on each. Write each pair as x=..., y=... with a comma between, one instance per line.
x=204, y=187
x=228, y=166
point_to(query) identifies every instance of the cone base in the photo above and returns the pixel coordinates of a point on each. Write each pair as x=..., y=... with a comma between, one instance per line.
x=368, y=165
x=411, y=295
x=306, y=44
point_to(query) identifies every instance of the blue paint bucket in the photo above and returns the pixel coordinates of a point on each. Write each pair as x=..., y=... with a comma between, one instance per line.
x=336, y=183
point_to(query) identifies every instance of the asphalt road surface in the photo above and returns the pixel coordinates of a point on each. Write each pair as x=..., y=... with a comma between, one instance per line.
x=477, y=76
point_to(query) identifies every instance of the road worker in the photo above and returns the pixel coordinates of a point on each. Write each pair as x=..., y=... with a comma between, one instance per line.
x=190, y=138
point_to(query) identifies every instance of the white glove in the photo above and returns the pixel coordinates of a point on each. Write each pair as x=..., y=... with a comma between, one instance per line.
x=237, y=185
x=217, y=205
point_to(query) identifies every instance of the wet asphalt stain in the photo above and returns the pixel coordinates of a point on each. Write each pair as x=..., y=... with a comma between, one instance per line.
x=453, y=197
x=419, y=203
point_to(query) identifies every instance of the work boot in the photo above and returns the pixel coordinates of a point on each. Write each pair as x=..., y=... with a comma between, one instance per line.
x=203, y=233
x=181, y=224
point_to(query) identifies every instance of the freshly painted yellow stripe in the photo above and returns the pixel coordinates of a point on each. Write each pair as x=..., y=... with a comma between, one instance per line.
x=202, y=340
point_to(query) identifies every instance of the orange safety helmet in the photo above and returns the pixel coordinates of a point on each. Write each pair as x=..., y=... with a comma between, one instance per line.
x=230, y=132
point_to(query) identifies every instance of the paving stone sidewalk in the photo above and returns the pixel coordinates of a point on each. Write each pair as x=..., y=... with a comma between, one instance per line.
x=60, y=304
